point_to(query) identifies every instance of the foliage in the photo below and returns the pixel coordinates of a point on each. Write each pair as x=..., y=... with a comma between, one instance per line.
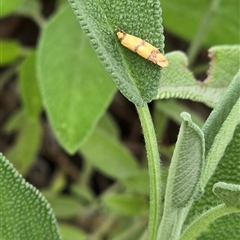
x=64, y=77
x=25, y=213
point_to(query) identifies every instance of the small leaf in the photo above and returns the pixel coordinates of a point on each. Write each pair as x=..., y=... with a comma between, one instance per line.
x=65, y=207
x=82, y=192
x=229, y=193
x=136, y=78
x=25, y=213
x=101, y=150
x=126, y=204
x=29, y=87
x=24, y=151
x=74, y=86
x=10, y=50
x=137, y=182
x=72, y=233
x=201, y=223
x=107, y=124
x=183, y=182
x=187, y=163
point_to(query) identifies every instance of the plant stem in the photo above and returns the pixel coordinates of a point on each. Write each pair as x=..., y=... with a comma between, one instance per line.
x=202, y=31
x=201, y=223
x=154, y=169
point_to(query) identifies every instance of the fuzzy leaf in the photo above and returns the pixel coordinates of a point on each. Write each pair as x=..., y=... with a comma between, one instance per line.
x=74, y=86
x=186, y=167
x=202, y=222
x=226, y=227
x=25, y=213
x=178, y=82
x=183, y=183
x=229, y=193
x=220, y=126
x=225, y=62
x=219, y=129
x=135, y=77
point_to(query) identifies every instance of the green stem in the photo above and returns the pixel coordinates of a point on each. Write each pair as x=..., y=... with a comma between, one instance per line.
x=201, y=223
x=202, y=31
x=154, y=169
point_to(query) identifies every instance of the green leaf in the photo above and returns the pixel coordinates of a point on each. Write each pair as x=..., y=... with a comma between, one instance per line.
x=137, y=182
x=72, y=233
x=24, y=151
x=203, y=221
x=227, y=227
x=126, y=204
x=225, y=62
x=29, y=87
x=108, y=155
x=82, y=192
x=135, y=77
x=179, y=82
x=107, y=124
x=222, y=136
x=29, y=8
x=25, y=213
x=229, y=193
x=187, y=163
x=8, y=6
x=65, y=207
x=183, y=183
x=10, y=51
x=74, y=86
x=224, y=27
x=173, y=109
x=220, y=126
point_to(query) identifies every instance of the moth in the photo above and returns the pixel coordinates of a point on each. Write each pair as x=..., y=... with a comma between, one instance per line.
x=142, y=48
